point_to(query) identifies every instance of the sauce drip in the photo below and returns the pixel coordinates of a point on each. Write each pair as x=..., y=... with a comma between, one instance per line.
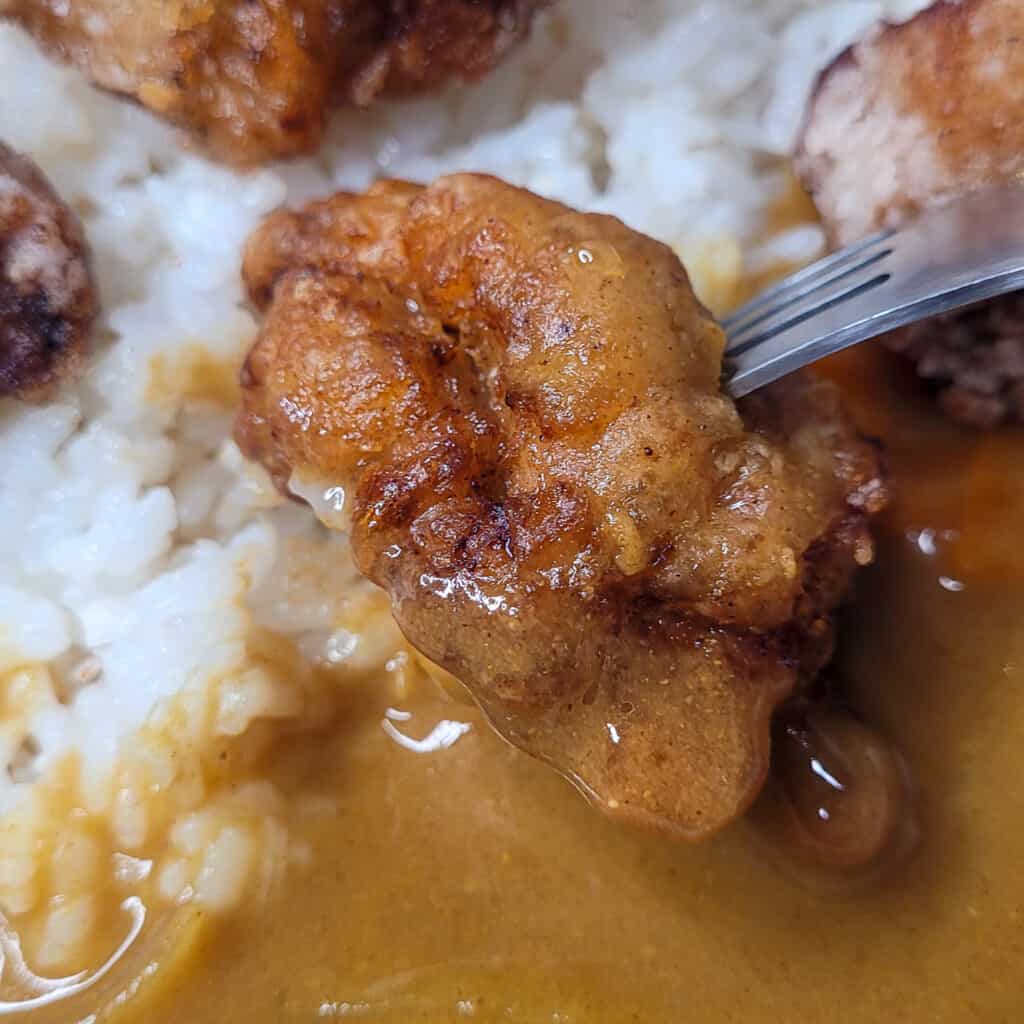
x=843, y=790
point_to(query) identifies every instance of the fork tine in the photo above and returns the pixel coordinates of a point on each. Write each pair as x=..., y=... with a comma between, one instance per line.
x=802, y=312
x=948, y=257
x=799, y=297
x=823, y=296
x=801, y=278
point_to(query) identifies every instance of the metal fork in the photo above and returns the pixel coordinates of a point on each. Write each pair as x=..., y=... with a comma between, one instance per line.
x=948, y=257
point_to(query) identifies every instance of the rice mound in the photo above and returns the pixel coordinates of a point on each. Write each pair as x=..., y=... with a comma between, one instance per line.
x=163, y=614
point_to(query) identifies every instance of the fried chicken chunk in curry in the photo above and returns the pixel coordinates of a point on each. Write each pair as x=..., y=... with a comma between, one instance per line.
x=47, y=298
x=520, y=405
x=252, y=79
x=938, y=103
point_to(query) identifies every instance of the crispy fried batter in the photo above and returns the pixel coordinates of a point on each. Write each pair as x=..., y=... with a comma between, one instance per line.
x=47, y=299
x=520, y=405
x=252, y=79
x=937, y=102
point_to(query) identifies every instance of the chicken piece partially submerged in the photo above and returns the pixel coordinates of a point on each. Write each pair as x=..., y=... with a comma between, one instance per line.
x=47, y=298
x=253, y=79
x=518, y=409
x=917, y=114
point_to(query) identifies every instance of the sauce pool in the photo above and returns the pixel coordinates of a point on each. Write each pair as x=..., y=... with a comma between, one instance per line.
x=461, y=879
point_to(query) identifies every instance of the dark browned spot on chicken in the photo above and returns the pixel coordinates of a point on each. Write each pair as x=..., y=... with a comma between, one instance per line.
x=252, y=80
x=32, y=339
x=632, y=620
x=47, y=301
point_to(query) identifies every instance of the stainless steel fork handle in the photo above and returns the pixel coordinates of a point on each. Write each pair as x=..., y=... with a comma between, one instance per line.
x=948, y=257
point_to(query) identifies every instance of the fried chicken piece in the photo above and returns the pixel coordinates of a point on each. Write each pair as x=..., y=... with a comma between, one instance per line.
x=916, y=114
x=519, y=407
x=252, y=79
x=937, y=103
x=47, y=298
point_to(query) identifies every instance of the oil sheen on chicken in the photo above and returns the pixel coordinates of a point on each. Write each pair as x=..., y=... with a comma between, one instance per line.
x=252, y=79
x=515, y=409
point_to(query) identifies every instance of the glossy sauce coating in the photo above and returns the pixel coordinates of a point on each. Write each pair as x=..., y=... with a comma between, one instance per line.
x=520, y=406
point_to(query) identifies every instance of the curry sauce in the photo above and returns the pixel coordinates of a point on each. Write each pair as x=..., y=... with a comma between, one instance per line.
x=468, y=881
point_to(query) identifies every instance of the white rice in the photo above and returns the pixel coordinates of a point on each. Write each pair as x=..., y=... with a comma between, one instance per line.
x=141, y=561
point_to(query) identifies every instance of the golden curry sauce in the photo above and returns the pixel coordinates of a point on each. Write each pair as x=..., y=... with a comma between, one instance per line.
x=470, y=882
